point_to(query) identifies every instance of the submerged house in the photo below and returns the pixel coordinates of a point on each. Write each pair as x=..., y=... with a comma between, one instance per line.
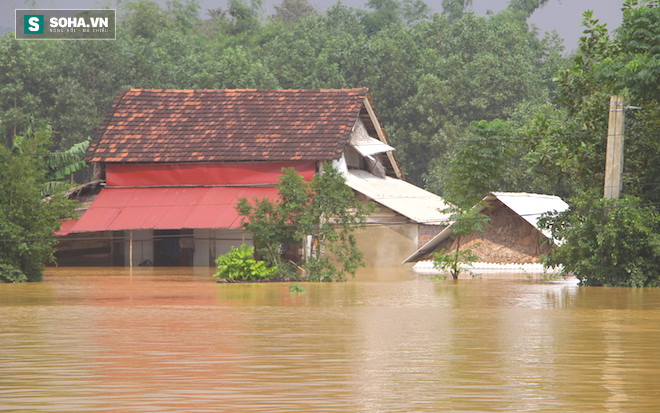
x=173, y=164
x=512, y=237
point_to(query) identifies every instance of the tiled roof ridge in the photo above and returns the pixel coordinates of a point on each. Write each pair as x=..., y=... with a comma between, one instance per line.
x=360, y=89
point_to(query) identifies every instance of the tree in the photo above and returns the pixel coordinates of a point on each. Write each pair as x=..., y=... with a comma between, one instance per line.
x=570, y=141
x=528, y=7
x=27, y=222
x=465, y=222
x=324, y=209
x=336, y=214
x=56, y=166
x=453, y=261
x=275, y=224
x=455, y=8
x=605, y=242
x=245, y=17
x=469, y=69
x=430, y=75
x=24, y=73
x=477, y=164
x=145, y=18
x=608, y=242
x=291, y=10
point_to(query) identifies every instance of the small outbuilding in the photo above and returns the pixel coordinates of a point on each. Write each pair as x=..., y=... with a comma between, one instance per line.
x=512, y=237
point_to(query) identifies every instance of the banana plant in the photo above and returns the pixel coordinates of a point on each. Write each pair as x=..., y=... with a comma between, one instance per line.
x=57, y=165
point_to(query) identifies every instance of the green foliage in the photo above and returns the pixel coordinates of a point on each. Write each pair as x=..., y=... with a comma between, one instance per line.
x=494, y=67
x=64, y=163
x=455, y=8
x=477, y=164
x=239, y=264
x=27, y=222
x=626, y=64
x=56, y=165
x=290, y=11
x=469, y=221
x=324, y=208
x=274, y=224
x=430, y=75
x=11, y=274
x=296, y=288
x=557, y=147
x=528, y=7
x=453, y=261
x=465, y=222
x=608, y=242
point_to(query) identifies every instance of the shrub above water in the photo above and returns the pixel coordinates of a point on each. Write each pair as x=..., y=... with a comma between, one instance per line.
x=239, y=264
x=608, y=242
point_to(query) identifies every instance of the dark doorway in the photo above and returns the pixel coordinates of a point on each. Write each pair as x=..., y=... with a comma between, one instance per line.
x=173, y=248
x=167, y=252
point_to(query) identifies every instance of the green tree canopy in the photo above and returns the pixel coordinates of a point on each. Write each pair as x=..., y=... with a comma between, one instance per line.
x=324, y=209
x=430, y=75
x=27, y=222
x=608, y=242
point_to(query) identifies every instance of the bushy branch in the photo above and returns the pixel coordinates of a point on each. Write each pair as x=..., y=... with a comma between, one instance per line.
x=324, y=209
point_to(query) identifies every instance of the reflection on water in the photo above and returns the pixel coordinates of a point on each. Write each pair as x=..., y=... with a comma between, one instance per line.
x=172, y=340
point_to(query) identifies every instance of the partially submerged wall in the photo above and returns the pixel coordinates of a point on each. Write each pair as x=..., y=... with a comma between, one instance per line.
x=508, y=238
x=387, y=245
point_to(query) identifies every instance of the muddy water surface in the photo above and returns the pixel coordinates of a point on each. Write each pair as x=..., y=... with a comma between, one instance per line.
x=172, y=340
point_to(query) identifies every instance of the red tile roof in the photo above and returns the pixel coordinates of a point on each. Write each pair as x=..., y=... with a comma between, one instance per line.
x=156, y=125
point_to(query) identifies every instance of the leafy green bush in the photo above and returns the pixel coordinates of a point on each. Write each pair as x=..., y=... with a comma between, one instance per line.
x=239, y=264
x=325, y=208
x=27, y=221
x=608, y=242
x=296, y=288
x=11, y=274
x=452, y=261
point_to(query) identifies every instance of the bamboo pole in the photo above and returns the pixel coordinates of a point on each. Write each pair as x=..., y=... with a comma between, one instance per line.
x=130, y=249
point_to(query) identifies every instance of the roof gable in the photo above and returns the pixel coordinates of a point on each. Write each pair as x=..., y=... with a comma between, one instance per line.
x=158, y=125
x=532, y=206
x=529, y=207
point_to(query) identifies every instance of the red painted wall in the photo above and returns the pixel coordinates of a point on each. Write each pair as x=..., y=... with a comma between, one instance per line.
x=203, y=174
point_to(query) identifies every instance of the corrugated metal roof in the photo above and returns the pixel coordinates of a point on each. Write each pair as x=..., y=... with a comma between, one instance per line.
x=528, y=206
x=371, y=146
x=116, y=209
x=406, y=199
x=531, y=206
x=365, y=144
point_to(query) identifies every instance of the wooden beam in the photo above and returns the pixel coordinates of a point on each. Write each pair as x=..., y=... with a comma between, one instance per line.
x=382, y=137
x=130, y=249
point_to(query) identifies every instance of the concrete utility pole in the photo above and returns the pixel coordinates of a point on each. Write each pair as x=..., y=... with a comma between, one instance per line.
x=614, y=157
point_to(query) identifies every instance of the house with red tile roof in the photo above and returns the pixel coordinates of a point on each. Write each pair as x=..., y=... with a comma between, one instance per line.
x=173, y=164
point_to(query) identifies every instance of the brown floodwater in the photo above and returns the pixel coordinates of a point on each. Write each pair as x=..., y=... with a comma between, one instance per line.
x=172, y=340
